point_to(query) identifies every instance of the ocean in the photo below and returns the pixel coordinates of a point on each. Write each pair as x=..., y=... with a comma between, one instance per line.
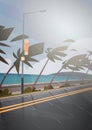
x=30, y=78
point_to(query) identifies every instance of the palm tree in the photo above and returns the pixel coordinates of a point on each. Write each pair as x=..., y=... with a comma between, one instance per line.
x=52, y=55
x=76, y=63
x=73, y=63
x=88, y=64
x=4, y=34
x=33, y=51
x=89, y=68
x=73, y=68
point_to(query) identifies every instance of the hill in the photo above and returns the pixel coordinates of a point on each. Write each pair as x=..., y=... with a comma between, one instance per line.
x=75, y=74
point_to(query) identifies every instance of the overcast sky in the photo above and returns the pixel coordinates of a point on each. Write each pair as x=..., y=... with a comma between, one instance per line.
x=63, y=19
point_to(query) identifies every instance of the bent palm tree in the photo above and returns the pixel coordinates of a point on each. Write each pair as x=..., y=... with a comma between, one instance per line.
x=76, y=61
x=4, y=34
x=88, y=64
x=33, y=51
x=52, y=54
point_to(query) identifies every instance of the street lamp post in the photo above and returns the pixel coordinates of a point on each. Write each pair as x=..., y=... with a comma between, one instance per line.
x=25, y=52
x=23, y=58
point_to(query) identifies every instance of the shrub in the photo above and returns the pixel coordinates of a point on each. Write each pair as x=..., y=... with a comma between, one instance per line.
x=48, y=87
x=0, y=91
x=33, y=89
x=5, y=92
x=65, y=85
x=28, y=90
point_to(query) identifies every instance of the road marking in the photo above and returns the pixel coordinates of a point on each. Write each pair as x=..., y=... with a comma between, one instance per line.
x=38, y=101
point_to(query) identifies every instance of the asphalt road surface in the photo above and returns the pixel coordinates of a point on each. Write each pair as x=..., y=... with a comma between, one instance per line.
x=61, y=109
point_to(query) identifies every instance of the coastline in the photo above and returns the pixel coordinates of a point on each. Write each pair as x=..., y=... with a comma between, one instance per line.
x=16, y=88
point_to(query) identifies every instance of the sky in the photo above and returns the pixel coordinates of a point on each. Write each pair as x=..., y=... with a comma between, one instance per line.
x=63, y=19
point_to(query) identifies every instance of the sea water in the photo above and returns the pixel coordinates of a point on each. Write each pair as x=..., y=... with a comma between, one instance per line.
x=30, y=78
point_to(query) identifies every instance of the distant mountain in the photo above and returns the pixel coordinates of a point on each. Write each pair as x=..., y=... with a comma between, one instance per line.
x=75, y=74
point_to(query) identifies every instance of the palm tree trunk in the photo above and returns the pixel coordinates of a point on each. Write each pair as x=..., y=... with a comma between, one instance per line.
x=84, y=76
x=67, y=78
x=40, y=74
x=55, y=76
x=6, y=76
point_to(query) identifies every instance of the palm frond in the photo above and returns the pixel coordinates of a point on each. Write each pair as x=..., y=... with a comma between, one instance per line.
x=86, y=61
x=17, y=65
x=3, y=44
x=90, y=52
x=73, y=50
x=76, y=62
x=56, y=58
x=20, y=37
x=73, y=68
x=81, y=68
x=27, y=63
x=5, y=33
x=3, y=60
x=1, y=51
x=18, y=52
x=36, y=49
x=15, y=55
x=61, y=54
x=56, y=54
x=61, y=48
x=28, y=58
x=50, y=57
x=90, y=66
x=76, y=59
x=49, y=49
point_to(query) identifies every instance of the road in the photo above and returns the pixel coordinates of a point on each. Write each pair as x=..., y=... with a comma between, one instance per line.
x=58, y=109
